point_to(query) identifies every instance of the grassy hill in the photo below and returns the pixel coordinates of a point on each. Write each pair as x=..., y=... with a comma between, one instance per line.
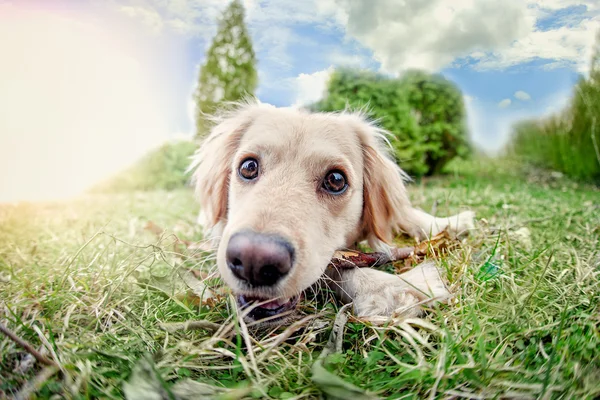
x=90, y=281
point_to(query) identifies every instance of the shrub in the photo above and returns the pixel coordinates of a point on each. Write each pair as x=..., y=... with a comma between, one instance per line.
x=441, y=115
x=165, y=168
x=568, y=141
x=424, y=113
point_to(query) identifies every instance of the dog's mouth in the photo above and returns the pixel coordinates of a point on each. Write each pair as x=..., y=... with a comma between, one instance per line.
x=271, y=309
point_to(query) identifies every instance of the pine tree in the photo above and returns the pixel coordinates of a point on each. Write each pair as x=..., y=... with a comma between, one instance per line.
x=229, y=72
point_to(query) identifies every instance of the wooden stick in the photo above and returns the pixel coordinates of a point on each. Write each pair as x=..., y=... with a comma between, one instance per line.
x=38, y=356
x=357, y=259
x=349, y=258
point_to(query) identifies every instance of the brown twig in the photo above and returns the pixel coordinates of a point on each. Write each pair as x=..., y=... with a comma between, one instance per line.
x=346, y=259
x=38, y=356
x=357, y=259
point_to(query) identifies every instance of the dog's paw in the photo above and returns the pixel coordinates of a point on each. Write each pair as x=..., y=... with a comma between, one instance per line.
x=382, y=294
x=386, y=302
x=461, y=224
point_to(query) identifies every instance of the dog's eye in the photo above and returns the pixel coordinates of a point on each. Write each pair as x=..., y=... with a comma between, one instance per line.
x=335, y=182
x=248, y=169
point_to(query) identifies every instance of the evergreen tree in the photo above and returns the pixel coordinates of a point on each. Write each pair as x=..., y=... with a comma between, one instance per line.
x=229, y=72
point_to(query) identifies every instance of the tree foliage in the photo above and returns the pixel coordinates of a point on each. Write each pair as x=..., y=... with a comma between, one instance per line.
x=229, y=72
x=425, y=114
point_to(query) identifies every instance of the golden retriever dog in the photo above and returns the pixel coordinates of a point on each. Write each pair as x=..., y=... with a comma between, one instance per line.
x=282, y=189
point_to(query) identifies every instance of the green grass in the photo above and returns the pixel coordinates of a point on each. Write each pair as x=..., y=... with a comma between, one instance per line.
x=161, y=169
x=561, y=142
x=85, y=283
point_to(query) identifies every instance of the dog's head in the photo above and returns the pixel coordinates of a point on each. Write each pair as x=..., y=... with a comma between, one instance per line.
x=283, y=189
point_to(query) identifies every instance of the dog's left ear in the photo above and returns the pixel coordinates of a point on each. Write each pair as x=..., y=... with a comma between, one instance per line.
x=385, y=200
x=387, y=209
x=212, y=164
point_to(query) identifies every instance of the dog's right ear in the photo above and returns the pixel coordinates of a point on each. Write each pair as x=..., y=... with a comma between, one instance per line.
x=212, y=164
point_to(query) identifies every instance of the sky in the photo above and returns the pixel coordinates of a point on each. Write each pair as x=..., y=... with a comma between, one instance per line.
x=89, y=86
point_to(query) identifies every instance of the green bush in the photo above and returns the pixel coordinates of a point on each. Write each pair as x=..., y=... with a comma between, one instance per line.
x=568, y=141
x=164, y=168
x=425, y=114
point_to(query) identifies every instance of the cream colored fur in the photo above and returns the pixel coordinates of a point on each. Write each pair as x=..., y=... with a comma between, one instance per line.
x=295, y=150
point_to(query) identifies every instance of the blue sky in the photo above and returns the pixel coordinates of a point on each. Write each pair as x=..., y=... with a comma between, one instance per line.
x=294, y=38
x=129, y=67
x=535, y=47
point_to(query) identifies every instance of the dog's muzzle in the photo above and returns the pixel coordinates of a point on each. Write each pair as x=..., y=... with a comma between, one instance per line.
x=259, y=261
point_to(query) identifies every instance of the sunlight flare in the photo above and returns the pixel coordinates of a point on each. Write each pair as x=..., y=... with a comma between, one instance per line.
x=77, y=105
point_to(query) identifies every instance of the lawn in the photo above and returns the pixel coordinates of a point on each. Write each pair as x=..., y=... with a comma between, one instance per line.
x=90, y=284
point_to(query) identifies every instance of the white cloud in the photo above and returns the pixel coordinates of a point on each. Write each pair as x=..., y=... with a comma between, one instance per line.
x=148, y=16
x=477, y=55
x=402, y=34
x=521, y=95
x=180, y=26
x=468, y=99
x=274, y=45
x=434, y=34
x=344, y=59
x=504, y=103
x=565, y=46
x=187, y=17
x=270, y=22
x=198, y=17
x=311, y=88
x=558, y=4
x=431, y=34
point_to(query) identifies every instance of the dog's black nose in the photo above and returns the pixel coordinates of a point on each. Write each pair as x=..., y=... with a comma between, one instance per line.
x=259, y=259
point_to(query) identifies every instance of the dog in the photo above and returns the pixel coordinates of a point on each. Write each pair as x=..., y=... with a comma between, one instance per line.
x=281, y=189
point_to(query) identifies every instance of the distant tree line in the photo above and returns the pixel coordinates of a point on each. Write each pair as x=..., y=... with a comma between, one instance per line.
x=569, y=140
